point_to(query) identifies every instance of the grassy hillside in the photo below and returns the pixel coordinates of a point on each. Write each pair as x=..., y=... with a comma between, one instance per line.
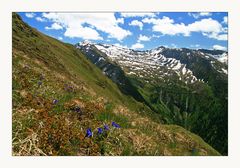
x=58, y=94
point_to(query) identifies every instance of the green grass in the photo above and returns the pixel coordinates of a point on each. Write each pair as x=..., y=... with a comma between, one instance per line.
x=109, y=116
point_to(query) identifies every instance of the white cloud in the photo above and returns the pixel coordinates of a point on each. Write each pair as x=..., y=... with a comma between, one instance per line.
x=60, y=38
x=120, y=20
x=119, y=45
x=225, y=20
x=216, y=36
x=40, y=19
x=82, y=32
x=205, y=25
x=208, y=27
x=143, y=38
x=195, y=45
x=155, y=36
x=137, y=14
x=197, y=15
x=30, y=15
x=136, y=23
x=205, y=14
x=74, y=22
x=219, y=47
x=54, y=26
x=166, y=26
x=137, y=46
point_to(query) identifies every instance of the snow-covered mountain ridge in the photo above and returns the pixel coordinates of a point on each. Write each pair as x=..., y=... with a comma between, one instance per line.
x=155, y=63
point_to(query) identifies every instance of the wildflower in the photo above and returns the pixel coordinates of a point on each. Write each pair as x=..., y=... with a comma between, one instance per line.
x=100, y=130
x=115, y=125
x=68, y=88
x=78, y=109
x=39, y=83
x=55, y=101
x=89, y=133
x=106, y=127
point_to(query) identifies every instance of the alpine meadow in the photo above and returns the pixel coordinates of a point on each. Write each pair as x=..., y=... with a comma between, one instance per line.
x=119, y=84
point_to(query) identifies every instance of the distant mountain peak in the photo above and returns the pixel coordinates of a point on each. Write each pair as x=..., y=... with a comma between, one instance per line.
x=85, y=42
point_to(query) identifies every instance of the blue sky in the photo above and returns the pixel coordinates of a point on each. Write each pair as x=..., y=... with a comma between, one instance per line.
x=139, y=31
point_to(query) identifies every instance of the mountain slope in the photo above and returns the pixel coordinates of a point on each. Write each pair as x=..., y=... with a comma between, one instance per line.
x=185, y=87
x=58, y=94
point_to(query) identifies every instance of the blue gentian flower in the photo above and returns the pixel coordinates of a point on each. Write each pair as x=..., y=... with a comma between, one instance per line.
x=106, y=127
x=100, y=130
x=68, y=88
x=55, y=101
x=78, y=109
x=115, y=125
x=89, y=133
x=65, y=86
x=39, y=83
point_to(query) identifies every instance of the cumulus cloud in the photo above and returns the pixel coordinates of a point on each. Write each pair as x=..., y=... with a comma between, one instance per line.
x=75, y=24
x=120, y=20
x=136, y=23
x=137, y=46
x=197, y=15
x=219, y=47
x=166, y=26
x=143, y=38
x=137, y=14
x=225, y=20
x=82, y=32
x=30, y=15
x=208, y=27
x=54, y=26
x=60, y=38
x=40, y=19
x=216, y=36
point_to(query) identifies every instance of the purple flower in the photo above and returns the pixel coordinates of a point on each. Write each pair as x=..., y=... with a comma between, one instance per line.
x=55, y=101
x=39, y=83
x=78, y=109
x=106, y=127
x=89, y=133
x=100, y=130
x=68, y=88
x=115, y=125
